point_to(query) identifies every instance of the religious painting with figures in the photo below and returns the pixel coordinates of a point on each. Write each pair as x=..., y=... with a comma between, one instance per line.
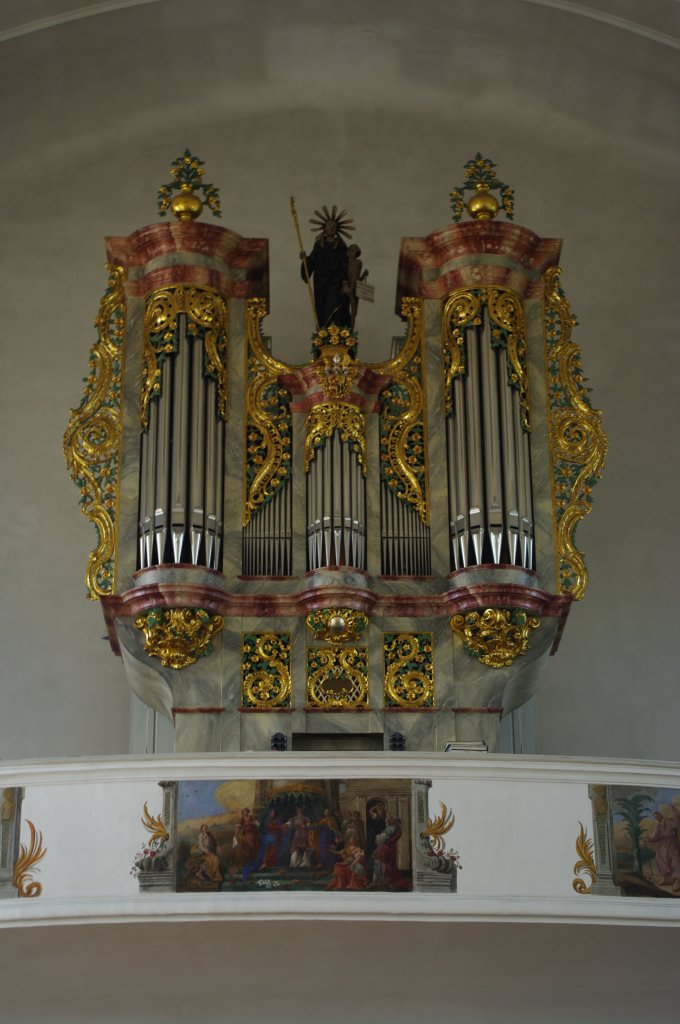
x=259, y=835
x=646, y=840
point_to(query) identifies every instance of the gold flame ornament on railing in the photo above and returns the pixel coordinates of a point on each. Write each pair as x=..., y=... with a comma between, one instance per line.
x=29, y=857
x=585, y=864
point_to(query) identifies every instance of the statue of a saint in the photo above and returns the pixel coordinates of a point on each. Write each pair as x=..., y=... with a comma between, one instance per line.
x=328, y=266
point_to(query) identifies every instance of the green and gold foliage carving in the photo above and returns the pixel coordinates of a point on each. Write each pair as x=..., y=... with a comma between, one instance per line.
x=266, y=679
x=92, y=438
x=578, y=444
x=409, y=670
x=337, y=678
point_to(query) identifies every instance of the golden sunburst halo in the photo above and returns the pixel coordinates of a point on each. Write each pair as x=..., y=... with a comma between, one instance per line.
x=345, y=224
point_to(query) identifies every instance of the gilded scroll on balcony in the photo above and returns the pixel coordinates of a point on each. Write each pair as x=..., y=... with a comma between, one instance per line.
x=92, y=439
x=578, y=444
x=337, y=678
x=495, y=636
x=178, y=636
x=409, y=670
x=266, y=679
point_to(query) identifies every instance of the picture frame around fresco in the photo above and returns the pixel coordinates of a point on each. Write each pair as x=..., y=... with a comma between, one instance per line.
x=645, y=839
x=293, y=835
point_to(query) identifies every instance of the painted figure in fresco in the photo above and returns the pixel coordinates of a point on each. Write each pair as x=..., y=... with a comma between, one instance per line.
x=328, y=833
x=246, y=841
x=349, y=873
x=271, y=840
x=666, y=839
x=386, y=874
x=354, y=828
x=301, y=845
x=207, y=863
x=327, y=264
x=355, y=274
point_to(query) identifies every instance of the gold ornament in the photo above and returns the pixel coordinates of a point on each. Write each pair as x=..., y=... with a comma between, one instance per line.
x=336, y=371
x=323, y=420
x=480, y=176
x=495, y=636
x=154, y=826
x=462, y=309
x=585, y=864
x=337, y=679
x=403, y=421
x=29, y=857
x=207, y=317
x=337, y=625
x=178, y=636
x=578, y=444
x=187, y=172
x=266, y=670
x=409, y=674
x=437, y=828
x=268, y=432
x=92, y=440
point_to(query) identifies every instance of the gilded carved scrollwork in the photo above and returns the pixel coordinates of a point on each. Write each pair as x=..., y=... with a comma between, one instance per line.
x=207, y=317
x=409, y=671
x=29, y=857
x=92, y=439
x=585, y=864
x=403, y=428
x=178, y=636
x=495, y=636
x=266, y=679
x=464, y=308
x=337, y=678
x=268, y=421
x=578, y=444
x=323, y=420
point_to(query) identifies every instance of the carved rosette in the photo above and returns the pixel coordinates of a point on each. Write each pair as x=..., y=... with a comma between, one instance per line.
x=495, y=636
x=29, y=857
x=207, y=318
x=337, y=625
x=323, y=420
x=403, y=429
x=178, y=636
x=268, y=426
x=92, y=439
x=337, y=678
x=265, y=670
x=409, y=670
x=463, y=308
x=585, y=864
x=578, y=444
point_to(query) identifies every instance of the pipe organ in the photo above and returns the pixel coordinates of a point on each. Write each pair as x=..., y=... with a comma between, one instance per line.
x=339, y=552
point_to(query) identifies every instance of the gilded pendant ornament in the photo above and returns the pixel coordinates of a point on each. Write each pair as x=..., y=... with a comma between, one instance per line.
x=337, y=625
x=337, y=372
x=465, y=308
x=178, y=636
x=578, y=444
x=409, y=670
x=495, y=636
x=266, y=679
x=480, y=177
x=337, y=678
x=92, y=439
x=207, y=320
x=323, y=420
x=268, y=421
x=585, y=864
x=29, y=857
x=334, y=339
x=403, y=427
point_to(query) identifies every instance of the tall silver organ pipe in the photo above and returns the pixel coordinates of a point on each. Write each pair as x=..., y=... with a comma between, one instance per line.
x=268, y=537
x=488, y=459
x=405, y=540
x=336, y=507
x=181, y=491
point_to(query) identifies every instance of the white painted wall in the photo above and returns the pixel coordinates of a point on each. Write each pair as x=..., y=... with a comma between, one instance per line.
x=376, y=106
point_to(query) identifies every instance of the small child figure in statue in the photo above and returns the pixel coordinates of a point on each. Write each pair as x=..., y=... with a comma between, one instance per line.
x=355, y=274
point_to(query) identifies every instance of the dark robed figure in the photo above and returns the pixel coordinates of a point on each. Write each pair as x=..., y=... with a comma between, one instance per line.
x=328, y=269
